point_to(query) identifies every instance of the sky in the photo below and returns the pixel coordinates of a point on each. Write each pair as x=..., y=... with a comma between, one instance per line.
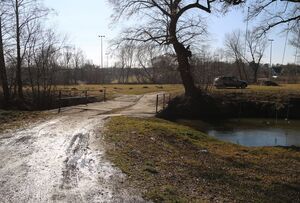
x=82, y=21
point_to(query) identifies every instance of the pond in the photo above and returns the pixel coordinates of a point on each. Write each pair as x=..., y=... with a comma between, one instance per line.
x=251, y=132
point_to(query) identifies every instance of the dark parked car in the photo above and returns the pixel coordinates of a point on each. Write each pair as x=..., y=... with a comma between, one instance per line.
x=222, y=82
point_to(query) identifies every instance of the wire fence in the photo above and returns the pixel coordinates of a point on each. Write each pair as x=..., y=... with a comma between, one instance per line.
x=74, y=97
x=162, y=101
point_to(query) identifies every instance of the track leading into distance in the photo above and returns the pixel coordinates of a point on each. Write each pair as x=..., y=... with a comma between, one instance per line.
x=62, y=159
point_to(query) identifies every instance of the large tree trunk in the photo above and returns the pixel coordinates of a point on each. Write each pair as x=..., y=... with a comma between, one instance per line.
x=244, y=71
x=3, y=74
x=254, y=66
x=255, y=71
x=238, y=65
x=19, y=59
x=185, y=69
x=183, y=60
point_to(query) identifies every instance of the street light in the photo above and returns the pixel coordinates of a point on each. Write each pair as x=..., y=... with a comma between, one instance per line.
x=101, y=37
x=271, y=40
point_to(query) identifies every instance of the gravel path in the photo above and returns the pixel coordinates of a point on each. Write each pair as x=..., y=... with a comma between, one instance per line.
x=62, y=159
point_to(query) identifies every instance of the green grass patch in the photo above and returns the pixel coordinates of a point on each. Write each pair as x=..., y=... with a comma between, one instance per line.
x=175, y=163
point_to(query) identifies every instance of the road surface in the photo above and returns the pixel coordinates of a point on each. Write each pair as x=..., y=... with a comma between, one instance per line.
x=62, y=159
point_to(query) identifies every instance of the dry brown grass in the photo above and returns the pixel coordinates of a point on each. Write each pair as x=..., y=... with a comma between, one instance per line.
x=117, y=89
x=16, y=119
x=174, y=163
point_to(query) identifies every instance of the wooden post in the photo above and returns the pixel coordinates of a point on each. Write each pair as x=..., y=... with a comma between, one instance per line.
x=156, y=106
x=240, y=111
x=276, y=115
x=59, y=101
x=86, y=97
x=288, y=110
x=104, y=94
x=164, y=101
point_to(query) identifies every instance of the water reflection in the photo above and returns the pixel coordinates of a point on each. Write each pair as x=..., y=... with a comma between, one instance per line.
x=262, y=137
x=252, y=132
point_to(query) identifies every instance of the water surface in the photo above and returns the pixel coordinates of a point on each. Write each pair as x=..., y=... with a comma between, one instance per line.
x=252, y=132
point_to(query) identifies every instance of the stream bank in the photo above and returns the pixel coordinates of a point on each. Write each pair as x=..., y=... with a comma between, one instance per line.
x=170, y=162
x=232, y=105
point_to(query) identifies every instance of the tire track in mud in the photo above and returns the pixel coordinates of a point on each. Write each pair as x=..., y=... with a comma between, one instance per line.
x=63, y=160
x=75, y=153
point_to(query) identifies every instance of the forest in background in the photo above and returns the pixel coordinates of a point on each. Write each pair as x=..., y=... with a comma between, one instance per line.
x=36, y=58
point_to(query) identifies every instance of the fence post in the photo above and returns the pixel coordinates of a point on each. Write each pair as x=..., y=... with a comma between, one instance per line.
x=276, y=115
x=104, y=94
x=86, y=97
x=164, y=100
x=288, y=110
x=156, y=106
x=59, y=101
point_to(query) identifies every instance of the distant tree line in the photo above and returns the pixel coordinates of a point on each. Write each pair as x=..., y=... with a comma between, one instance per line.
x=163, y=71
x=170, y=48
x=31, y=53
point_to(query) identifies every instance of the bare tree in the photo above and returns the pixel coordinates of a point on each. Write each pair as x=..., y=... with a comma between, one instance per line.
x=78, y=58
x=234, y=49
x=274, y=13
x=145, y=55
x=126, y=60
x=295, y=41
x=167, y=22
x=257, y=46
x=45, y=56
x=165, y=69
x=24, y=12
x=3, y=74
x=68, y=54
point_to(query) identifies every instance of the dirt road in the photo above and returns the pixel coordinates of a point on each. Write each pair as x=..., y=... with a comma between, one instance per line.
x=62, y=159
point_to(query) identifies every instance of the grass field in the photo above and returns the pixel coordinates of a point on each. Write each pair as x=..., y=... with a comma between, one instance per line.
x=135, y=89
x=113, y=89
x=174, y=163
x=280, y=91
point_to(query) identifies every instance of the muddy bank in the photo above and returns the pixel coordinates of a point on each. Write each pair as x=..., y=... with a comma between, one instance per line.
x=234, y=105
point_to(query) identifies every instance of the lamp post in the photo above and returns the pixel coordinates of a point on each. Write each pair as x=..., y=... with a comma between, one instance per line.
x=270, y=70
x=101, y=37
